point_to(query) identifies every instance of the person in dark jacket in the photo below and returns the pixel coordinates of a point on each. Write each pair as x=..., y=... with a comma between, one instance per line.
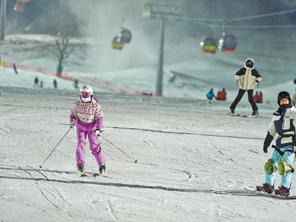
x=55, y=83
x=36, y=81
x=282, y=129
x=14, y=68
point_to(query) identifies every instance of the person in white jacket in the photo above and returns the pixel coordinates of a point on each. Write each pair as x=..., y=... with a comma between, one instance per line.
x=282, y=129
x=247, y=78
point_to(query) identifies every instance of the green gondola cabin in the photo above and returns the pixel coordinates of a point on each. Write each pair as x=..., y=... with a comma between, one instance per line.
x=209, y=45
x=117, y=44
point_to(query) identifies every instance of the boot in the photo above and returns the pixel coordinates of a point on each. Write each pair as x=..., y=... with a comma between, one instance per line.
x=80, y=168
x=282, y=191
x=102, y=169
x=255, y=113
x=267, y=188
x=231, y=111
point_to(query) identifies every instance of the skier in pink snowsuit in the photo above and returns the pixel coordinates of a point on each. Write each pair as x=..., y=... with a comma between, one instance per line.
x=88, y=118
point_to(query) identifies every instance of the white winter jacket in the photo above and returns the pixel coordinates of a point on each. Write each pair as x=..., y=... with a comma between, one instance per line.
x=247, y=78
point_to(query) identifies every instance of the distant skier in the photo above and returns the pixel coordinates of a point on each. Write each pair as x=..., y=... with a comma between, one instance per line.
x=282, y=128
x=41, y=84
x=2, y=63
x=14, y=68
x=247, y=77
x=75, y=83
x=210, y=95
x=36, y=81
x=55, y=84
x=88, y=118
x=221, y=95
x=172, y=78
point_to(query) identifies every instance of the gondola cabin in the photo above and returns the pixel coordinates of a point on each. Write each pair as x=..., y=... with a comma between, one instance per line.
x=117, y=43
x=125, y=36
x=227, y=43
x=209, y=45
x=19, y=7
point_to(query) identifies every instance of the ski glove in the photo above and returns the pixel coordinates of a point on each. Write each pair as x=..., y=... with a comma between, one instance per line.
x=98, y=132
x=73, y=123
x=265, y=148
x=267, y=142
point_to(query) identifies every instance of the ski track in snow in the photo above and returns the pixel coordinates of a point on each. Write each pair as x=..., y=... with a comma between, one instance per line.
x=184, y=158
x=3, y=130
x=91, y=182
x=43, y=192
x=186, y=133
x=111, y=210
x=239, y=192
x=77, y=212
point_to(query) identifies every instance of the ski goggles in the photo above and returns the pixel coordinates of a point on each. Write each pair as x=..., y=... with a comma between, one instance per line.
x=85, y=94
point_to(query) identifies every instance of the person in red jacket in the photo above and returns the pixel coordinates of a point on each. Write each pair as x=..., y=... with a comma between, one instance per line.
x=221, y=95
x=256, y=97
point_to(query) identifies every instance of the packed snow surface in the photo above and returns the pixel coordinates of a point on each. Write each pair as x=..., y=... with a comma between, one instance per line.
x=194, y=162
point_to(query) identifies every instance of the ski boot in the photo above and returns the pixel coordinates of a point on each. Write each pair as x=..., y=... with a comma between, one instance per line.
x=255, y=113
x=282, y=191
x=266, y=188
x=102, y=169
x=81, y=170
x=231, y=111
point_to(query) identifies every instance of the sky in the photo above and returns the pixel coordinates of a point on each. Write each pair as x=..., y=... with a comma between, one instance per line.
x=89, y=10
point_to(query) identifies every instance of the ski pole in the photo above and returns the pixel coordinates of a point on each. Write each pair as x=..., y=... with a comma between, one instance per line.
x=122, y=151
x=55, y=147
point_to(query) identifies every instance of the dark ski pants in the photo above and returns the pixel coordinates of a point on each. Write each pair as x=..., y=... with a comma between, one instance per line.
x=239, y=96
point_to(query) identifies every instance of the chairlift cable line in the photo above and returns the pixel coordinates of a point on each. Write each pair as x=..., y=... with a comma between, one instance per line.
x=261, y=15
x=210, y=22
x=219, y=20
x=249, y=26
x=223, y=22
x=260, y=26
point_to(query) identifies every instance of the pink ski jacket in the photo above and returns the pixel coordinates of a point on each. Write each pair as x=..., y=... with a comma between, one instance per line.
x=87, y=115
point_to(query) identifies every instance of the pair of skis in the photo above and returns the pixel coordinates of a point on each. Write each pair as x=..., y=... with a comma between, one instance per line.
x=244, y=115
x=85, y=174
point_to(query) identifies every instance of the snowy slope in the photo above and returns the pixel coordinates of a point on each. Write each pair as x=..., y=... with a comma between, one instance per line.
x=195, y=76
x=187, y=150
x=26, y=79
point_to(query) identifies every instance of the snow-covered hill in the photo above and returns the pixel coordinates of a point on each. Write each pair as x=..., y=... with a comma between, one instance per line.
x=194, y=77
x=194, y=161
